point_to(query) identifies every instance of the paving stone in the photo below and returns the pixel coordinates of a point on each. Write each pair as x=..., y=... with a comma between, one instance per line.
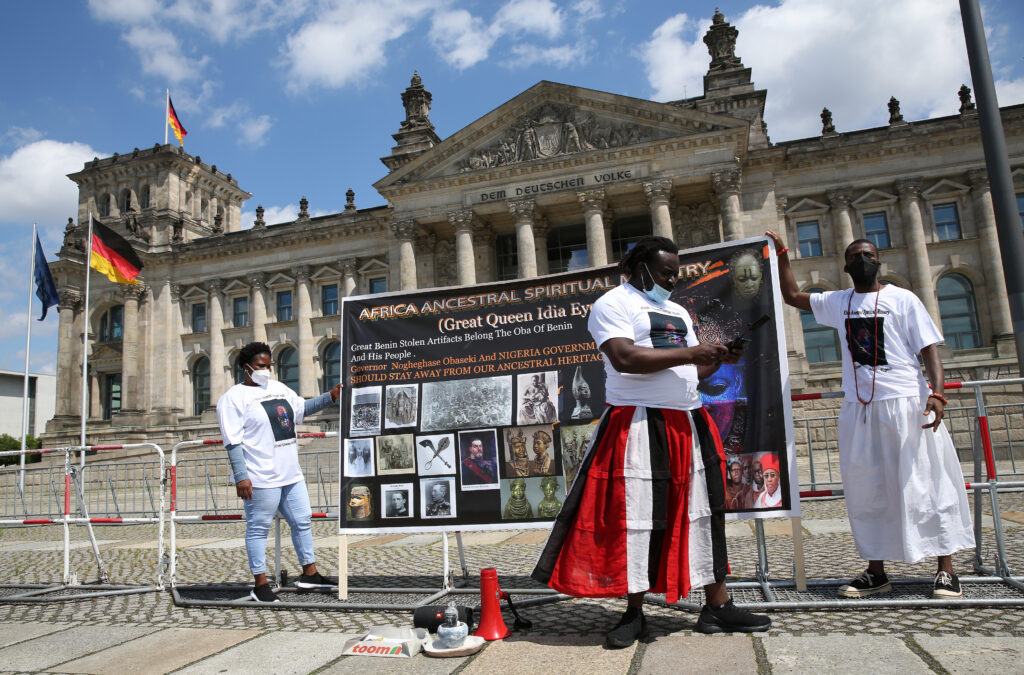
x=529, y=537
x=778, y=527
x=280, y=653
x=732, y=654
x=160, y=652
x=236, y=543
x=416, y=540
x=485, y=538
x=421, y=664
x=52, y=546
x=735, y=529
x=1013, y=516
x=13, y=633
x=856, y=655
x=377, y=541
x=42, y=653
x=827, y=526
x=551, y=655
x=975, y=654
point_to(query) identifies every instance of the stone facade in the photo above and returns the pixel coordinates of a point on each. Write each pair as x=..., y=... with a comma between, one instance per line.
x=557, y=178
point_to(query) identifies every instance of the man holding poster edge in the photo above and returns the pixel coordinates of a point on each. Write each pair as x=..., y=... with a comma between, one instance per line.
x=647, y=511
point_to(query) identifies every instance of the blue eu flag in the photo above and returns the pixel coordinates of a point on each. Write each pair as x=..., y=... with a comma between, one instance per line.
x=46, y=290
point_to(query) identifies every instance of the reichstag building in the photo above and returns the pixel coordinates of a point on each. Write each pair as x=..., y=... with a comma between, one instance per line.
x=555, y=179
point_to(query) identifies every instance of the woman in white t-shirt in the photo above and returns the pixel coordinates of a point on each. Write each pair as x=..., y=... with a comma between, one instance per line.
x=257, y=422
x=646, y=511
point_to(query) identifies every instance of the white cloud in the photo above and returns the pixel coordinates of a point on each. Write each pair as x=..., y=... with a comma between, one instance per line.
x=221, y=116
x=33, y=182
x=462, y=39
x=588, y=9
x=161, y=54
x=273, y=215
x=254, y=130
x=562, y=56
x=19, y=136
x=225, y=20
x=541, y=17
x=1009, y=92
x=345, y=43
x=808, y=54
x=125, y=11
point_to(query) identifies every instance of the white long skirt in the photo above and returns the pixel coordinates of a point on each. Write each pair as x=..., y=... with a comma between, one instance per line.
x=904, y=487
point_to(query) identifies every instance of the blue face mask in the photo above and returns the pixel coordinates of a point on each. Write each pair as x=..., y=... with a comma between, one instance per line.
x=657, y=293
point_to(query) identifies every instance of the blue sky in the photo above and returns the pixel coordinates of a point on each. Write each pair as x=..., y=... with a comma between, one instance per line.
x=300, y=97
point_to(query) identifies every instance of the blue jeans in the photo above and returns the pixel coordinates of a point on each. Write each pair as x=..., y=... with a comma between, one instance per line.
x=292, y=501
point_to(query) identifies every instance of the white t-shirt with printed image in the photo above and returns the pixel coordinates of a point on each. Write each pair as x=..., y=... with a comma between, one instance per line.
x=262, y=420
x=905, y=329
x=625, y=312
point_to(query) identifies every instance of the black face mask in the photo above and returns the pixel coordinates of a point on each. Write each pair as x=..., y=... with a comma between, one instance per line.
x=863, y=271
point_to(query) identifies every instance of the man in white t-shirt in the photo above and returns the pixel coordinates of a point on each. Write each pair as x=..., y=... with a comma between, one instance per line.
x=903, y=484
x=647, y=509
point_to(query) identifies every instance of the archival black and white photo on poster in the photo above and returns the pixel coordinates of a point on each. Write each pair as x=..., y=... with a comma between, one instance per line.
x=358, y=457
x=478, y=459
x=401, y=406
x=396, y=499
x=463, y=404
x=365, y=415
x=438, y=497
x=575, y=441
x=538, y=396
x=529, y=451
x=435, y=455
x=395, y=454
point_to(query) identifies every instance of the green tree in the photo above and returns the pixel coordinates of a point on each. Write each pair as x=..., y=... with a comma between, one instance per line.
x=8, y=442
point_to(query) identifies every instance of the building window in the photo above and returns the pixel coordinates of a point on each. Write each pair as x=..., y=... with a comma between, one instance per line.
x=237, y=372
x=240, y=312
x=567, y=249
x=145, y=197
x=956, y=308
x=809, y=237
x=876, y=229
x=284, y=305
x=111, y=325
x=126, y=201
x=288, y=368
x=628, y=231
x=821, y=343
x=329, y=300
x=332, y=365
x=507, y=255
x=378, y=285
x=1020, y=209
x=111, y=395
x=947, y=221
x=104, y=205
x=200, y=385
x=199, y=317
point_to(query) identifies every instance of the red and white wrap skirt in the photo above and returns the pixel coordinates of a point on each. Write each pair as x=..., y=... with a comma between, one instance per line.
x=646, y=511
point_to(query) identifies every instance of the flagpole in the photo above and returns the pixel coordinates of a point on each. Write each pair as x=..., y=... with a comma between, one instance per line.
x=28, y=344
x=167, y=110
x=85, y=338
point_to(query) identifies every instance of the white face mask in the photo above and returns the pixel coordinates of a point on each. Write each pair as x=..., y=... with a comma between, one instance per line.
x=260, y=377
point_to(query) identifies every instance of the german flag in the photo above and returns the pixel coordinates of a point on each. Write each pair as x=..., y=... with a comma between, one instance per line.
x=172, y=119
x=113, y=256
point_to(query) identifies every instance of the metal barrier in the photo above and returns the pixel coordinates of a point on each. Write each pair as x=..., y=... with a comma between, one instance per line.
x=74, y=476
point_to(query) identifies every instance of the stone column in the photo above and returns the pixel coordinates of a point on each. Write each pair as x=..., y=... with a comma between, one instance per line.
x=465, y=255
x=909, y=190
x=66, y=347
x=215, y=328
x=483, y=248
x=592, y=202
x=540, y=240
x=130, y=347
x=526, y=249
x=348, y=284
x=658, y=193
x=727, y=185
x=304, y=319
x=839, y=201
x=405, y=232
x=95, y=405
x=258, y=282
x=984, y=215
x=80, y=331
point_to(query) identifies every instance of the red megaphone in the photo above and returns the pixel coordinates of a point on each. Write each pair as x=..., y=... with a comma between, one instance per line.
x=492, y=625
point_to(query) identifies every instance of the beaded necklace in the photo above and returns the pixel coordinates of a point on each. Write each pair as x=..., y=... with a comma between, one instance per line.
x=849, y=344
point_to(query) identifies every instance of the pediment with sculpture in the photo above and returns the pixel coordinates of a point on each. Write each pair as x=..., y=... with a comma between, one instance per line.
x=553, y=130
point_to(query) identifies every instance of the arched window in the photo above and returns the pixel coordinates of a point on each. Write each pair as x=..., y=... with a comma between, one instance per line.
x=200, y=385
x=956, y=307
x=126, y=201
x=332, y=365
x=821, y=343
x=237, y=372
x=103, y=204
x=111, y=326
x=146, y=196
x=288, y=368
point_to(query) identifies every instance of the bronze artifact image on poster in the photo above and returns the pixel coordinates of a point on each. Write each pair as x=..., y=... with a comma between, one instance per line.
x=360, y=503
x=528, y=498
x=528, y=451
x=575, y=441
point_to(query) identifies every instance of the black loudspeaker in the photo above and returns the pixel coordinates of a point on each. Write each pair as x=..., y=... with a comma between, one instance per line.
x=432, y=616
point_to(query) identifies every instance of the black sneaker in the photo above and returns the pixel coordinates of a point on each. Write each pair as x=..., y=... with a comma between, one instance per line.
x=731, y=619
x=947, y=586
x=868, y=583
x=631, y=627
x=262, y=593
x=315, y=582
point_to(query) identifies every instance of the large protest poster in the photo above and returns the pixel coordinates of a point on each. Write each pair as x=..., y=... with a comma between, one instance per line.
x=470, y=408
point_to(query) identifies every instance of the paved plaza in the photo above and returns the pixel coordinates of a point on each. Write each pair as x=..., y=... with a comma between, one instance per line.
x=147, y=633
